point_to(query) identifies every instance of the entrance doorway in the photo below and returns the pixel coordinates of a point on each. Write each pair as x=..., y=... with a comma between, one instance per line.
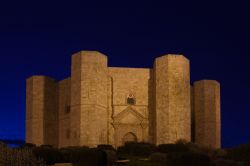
x=129, y=137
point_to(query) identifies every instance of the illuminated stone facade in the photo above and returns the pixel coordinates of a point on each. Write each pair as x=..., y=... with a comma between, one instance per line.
x=98, y=104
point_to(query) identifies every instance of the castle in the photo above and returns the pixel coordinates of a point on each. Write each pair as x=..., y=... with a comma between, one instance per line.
x=98, y=104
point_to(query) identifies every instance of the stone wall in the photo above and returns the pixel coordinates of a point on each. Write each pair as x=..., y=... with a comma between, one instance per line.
x=207, y=113
x=152, y=108
x=130, y=81
x=64, y=130
x=192, y=113
x=41, y=111
x=75, y=99
x=89, y=98
x=129, y=118
x=173, y=114
x=51, y=112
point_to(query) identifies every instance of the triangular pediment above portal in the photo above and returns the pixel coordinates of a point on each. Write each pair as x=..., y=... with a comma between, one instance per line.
x=130, y=119
x=129, y=116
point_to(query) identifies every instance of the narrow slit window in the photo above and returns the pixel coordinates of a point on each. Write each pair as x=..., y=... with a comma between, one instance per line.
x=67, y=109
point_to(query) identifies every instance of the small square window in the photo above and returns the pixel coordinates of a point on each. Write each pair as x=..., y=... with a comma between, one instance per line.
x=130, y=101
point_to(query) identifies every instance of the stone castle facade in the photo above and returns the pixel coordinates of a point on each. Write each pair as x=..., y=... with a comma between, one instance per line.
x=98, y=104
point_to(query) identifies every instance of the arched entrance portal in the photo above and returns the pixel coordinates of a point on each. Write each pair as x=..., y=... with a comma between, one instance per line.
x=129, y=137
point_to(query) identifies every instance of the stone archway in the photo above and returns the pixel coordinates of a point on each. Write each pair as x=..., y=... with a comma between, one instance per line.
x=129, y=137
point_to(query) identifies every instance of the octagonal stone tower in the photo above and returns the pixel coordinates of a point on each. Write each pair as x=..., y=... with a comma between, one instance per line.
x=206, y=96
x=172, y=99
x=41, y=111
x=88, y=99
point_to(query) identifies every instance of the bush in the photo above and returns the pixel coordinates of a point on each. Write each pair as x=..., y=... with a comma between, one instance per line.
x=220, y=153
x=192, y=147
x=65, y=154
x=187, y=159
x=158, y=157
x=46, y=146
x=28, y=145
x=240, y=153
x=169, y=148
x=18, y=157
x=90, y=157
x=137, y=149
x=3, y=145
x=106, y=147
x=181, y=141
x=48, y=154
x=223, y=162
x=73, y=154
x=110, y=156
x=84, y=156
x=110, y=153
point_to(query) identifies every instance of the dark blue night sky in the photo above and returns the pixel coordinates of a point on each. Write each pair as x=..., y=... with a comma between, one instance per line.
x=39, y=37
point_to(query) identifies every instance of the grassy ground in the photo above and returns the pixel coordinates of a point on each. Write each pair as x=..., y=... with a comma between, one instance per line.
x=143, y=163
x=139, y=161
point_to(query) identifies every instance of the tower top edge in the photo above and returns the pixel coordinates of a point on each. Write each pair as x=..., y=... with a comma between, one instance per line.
x=40, y=77
x=204, y=81
x=89, y=53
x=172, y=56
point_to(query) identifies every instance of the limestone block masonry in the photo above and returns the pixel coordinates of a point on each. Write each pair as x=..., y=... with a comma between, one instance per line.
x=173, y=110
x=41, y=111
x=207, y=113
x=98, y=104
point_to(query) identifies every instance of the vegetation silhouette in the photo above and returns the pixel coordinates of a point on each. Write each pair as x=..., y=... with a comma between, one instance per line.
x=144, y=154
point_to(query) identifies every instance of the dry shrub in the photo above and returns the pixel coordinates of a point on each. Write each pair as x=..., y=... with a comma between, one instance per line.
x=18, y=157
